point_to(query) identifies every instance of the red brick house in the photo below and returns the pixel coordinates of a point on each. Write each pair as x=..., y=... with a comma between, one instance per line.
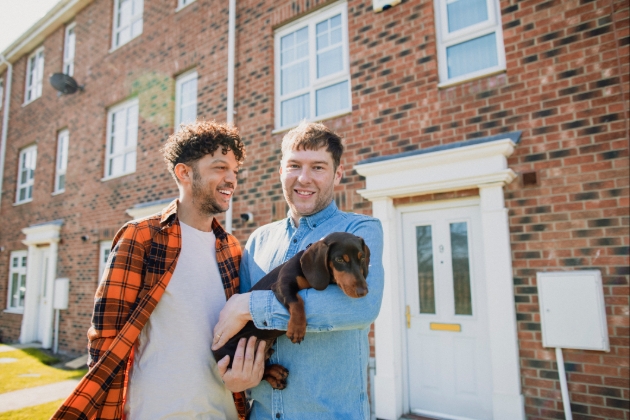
x=490, y=137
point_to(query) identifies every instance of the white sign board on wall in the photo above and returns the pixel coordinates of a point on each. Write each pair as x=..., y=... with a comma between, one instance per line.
x=572, y=310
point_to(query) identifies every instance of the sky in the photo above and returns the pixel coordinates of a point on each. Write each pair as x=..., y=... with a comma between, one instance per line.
x=17, y=16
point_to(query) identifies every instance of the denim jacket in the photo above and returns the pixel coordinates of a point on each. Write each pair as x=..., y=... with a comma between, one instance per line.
x=328, y=370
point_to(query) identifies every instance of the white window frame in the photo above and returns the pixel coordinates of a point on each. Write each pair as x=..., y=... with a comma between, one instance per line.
x=20, y=270
x=34, y=76
x=117, y=29
x=446, y=39
x=1, y=92
x=183, y=3
x=103, y=255
x=132, y=147
x=186, y=77
x=29, y=153
x=61, y=166
x=311, y=21
x=69, y=49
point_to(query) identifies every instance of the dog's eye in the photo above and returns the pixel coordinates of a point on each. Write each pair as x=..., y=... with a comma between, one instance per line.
x=339, y=260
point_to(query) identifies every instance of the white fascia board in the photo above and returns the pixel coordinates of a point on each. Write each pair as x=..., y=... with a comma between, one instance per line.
x=62, y=13
x=444, y=170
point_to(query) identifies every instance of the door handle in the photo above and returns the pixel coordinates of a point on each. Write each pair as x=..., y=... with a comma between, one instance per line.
x=408, y=316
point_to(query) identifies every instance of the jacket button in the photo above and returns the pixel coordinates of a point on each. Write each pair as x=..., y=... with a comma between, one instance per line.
x=295, y=241
x=265, y=323
x=277, y=415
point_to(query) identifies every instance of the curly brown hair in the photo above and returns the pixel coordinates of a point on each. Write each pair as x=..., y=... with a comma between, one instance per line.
x=195, y=140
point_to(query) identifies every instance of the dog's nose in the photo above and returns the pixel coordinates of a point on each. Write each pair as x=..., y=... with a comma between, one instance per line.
x=361, y=291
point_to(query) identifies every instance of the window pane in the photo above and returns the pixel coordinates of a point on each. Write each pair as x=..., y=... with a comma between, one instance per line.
x=329, y=62
x=62, y=182
x=426, y=284
x=116, y=165
x=294, y=46
x=15, y=290
x=15, y=262
x=332, y=98
x=294, y=110
x=22, y=290
x=464, y=13
x=461, y=268
x=131, y=136
x=23, y=261
x=130, y=162
x=22, y=194
x=470, y=56
x=294, y=77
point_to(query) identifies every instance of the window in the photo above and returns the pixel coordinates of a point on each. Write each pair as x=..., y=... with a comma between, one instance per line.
x=182, y=3
x=34, y=75
x=1, y=92
x=17, y=281
x=122, y=137
x=127, y=20
x=186, y=99
x=26, y=175
x=312, y=77
x=68, y=50
x=62, y=161
x=470, y=39
x=103, y=255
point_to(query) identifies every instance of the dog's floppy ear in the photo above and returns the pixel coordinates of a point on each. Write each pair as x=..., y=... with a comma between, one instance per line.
x=366, y=263
x=314, y=264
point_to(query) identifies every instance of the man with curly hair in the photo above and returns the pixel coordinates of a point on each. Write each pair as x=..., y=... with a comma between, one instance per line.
x=167, y=278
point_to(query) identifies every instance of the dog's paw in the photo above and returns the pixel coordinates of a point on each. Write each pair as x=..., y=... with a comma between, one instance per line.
x=296, y=332
x=276, y=375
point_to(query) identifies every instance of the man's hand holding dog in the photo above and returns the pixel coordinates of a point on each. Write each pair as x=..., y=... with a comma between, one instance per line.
x=247, y=370
x=232, y=319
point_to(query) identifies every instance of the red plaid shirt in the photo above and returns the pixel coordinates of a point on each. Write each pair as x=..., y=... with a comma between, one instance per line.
x=142, y=261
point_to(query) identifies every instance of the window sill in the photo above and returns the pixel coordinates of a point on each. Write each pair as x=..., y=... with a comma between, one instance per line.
x=58, y=192
x=470, y=79
x=184, y=6
x=31, y=101
x=22, y=202
x=326, y=118
x=109, y=178
x=117, y=47
x=14, y=311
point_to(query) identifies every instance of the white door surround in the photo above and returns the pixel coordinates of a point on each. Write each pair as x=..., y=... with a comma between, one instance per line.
x=37, y=322
x=478, y=164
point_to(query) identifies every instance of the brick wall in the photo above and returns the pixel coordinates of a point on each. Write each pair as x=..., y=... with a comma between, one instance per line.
x=565, y=88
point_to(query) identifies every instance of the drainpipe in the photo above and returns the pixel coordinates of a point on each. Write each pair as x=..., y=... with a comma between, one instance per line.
x=372, y=373
x=5, y=119
x=230, y=90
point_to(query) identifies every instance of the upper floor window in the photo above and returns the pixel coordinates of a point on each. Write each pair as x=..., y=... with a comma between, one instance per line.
x=62, y=161
x=26, y=174
x=68, y=50
x=312, y=79
x=17, y=281
x=186, y=99
x=34, y=75
x=182, y=3
x=122, y=138
x=127, y=20
x=470, y=39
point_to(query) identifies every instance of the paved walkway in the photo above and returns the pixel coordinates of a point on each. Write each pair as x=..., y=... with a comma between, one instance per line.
x=22, y=398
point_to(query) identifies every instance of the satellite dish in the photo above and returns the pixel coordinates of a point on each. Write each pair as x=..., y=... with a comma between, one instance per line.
x=64, y=83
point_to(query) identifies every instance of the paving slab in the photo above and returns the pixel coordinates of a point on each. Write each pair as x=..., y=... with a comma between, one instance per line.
x=37, y=395
x=78, y=363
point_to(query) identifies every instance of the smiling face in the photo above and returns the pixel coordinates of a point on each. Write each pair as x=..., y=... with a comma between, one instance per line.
x=214, y=179
x=308, y=180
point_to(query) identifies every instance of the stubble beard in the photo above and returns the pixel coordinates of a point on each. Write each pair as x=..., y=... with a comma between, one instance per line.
x=204, y=201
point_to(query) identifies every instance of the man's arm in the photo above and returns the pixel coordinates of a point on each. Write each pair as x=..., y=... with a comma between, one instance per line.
x=326, y=310
x=118, y=289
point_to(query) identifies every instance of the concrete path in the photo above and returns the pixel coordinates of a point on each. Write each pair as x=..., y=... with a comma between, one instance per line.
x=22, y=398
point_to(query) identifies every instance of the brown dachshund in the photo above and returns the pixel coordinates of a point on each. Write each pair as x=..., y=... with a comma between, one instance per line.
x=340, y=258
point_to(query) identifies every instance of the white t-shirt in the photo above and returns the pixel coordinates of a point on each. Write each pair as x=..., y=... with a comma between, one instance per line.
x=174, y=374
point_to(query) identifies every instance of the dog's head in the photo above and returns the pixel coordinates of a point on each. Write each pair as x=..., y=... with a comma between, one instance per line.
x=341, y=258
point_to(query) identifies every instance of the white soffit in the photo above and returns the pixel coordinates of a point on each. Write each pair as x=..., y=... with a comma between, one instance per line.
x=43, y=233
x=446, y=169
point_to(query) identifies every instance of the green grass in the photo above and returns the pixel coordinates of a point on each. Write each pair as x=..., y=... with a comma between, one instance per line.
x=32, y=369
x=36, y=412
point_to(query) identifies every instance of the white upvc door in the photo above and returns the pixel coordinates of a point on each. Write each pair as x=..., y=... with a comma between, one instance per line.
x=448, y=348
x=45, y=295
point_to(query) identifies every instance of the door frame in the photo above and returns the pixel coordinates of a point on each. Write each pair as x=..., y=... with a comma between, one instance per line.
x=480, y=164
x=45, y=234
